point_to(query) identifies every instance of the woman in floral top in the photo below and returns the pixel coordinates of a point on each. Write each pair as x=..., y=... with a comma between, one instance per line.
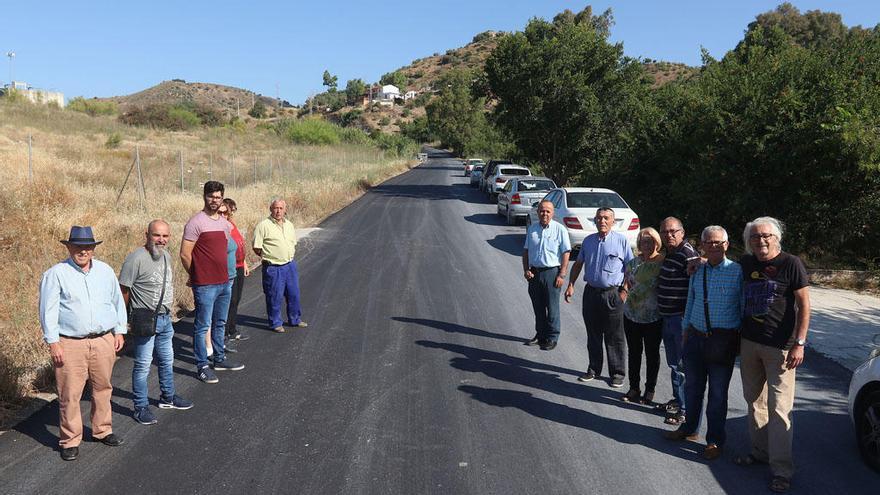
x=641, y=320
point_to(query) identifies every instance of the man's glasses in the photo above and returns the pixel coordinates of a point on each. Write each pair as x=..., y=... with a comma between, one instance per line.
x=670, y=232
x=756, y=237
x=714, y=243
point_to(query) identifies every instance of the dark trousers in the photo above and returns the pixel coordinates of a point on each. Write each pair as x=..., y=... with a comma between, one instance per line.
x=545, y=301
x=639, y=337
x=698, y=373
x=281, y=282
x=237, y=286
x=603, y=317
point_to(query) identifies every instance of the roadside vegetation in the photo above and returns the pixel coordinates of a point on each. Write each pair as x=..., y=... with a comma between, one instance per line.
x=80, y=164
x=787, y=123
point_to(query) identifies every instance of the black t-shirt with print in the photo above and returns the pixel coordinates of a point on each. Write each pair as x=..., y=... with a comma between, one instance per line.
x=769, y=298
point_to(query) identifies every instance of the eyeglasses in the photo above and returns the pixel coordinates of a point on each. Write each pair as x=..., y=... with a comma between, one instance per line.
x=714, y=243
x=765, y=236
x=668, y=232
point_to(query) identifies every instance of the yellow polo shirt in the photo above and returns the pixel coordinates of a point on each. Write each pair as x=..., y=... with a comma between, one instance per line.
x=278, y=242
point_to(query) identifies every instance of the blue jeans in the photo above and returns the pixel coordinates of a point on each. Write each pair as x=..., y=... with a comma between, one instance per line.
x=143, y=357
x=281, y=282
x=672, y=343
x=699, y=372
x=545, y=302
x=212, y=307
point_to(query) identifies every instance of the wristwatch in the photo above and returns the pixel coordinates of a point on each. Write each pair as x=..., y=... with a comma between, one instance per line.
x=801, y=342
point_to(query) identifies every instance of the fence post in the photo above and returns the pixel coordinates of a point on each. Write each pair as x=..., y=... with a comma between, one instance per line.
x=30, y=159
x=232, y=164
x=255, y=170
x=180, y=163
x=142, y=192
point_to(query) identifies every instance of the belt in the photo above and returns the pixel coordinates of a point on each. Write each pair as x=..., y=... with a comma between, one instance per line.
x=601, y=289
x=543, y=268
x=89, y=336
x=266, y=263
x=693, y=330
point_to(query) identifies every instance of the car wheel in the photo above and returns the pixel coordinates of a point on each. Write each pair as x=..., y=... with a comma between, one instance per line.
x=511, y=220
x=867, y=419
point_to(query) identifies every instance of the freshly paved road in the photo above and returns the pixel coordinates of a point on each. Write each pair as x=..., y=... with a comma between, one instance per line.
x=412, y=378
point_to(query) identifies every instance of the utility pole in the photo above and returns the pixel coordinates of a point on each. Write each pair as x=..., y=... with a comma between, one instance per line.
x=11, y=55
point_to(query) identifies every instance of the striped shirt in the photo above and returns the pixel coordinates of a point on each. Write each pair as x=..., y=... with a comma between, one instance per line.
x=725, y=285
x=672, y=287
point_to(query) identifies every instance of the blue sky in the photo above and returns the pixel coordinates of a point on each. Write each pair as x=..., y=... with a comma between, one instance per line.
x=115, y=48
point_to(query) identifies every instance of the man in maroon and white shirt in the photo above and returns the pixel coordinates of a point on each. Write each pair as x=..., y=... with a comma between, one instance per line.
x=204, y=254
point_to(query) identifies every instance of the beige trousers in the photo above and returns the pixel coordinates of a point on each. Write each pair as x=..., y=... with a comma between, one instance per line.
x=85, y=360
x=768, y=387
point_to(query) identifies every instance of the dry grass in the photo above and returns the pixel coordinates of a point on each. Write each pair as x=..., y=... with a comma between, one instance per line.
x=77, y=180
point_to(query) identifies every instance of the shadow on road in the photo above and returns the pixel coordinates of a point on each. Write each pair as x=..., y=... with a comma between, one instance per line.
x=485, y=219
x=455, y=328
x=460, y=192
x=509, y=243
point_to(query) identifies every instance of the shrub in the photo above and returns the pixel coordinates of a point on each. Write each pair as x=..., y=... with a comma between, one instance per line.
x=92, y=107
x=348, y=118
x=113, y=141
x=395, y=144
x=386, y=120
x=181, y=118
x=258, y=111
x=353, y=135
x=311, y=131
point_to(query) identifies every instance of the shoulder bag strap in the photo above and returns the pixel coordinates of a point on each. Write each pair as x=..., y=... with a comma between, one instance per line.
x=164, y=278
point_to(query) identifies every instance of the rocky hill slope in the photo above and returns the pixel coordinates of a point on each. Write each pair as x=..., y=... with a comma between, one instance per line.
x=227, y=98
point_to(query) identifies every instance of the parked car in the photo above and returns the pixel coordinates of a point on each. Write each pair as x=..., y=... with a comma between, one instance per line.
x=470, y=163
x=515, y=200
x=496, y=181
x=864, y=406
x=490, y=169
x=575, y=209
x=476, y=175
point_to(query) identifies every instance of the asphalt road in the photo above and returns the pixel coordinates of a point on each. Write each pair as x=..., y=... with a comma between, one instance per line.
x=412, y=378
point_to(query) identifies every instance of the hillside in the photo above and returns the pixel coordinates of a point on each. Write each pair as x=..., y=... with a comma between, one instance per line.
x=224, y=98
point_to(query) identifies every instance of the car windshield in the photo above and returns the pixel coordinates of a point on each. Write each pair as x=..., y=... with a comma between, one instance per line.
x=478, y=168
x=595, y=200
x=536, y=185
x=514, y=171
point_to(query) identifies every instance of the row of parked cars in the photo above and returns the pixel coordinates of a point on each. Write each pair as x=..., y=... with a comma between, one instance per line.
x=517, y=193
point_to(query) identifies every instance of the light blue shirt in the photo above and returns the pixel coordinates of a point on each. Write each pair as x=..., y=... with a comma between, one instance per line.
x=74, y=303
x=604, y=259
x=546, y=245
x=725, y=284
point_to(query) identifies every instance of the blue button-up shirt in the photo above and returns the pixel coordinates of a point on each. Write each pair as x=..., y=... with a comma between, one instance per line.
x=75, y=303
x=725, y=284
x=546, y=245
x=604, y=259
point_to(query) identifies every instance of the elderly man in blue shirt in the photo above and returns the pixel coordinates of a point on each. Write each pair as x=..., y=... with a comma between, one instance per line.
x=712, y=318
x=545, y=261
x=603, y=257
x=83, y=317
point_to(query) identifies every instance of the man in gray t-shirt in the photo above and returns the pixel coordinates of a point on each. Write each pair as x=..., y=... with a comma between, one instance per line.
x=141, y=282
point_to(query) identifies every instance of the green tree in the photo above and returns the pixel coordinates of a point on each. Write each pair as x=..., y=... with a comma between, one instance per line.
x=354, y=89
x=568, y=97
x=330, y=81
x=258, y=111
x=397, y=78
x=454, y=115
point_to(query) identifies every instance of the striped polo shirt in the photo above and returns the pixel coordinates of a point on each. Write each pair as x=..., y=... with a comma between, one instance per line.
x=672, y=284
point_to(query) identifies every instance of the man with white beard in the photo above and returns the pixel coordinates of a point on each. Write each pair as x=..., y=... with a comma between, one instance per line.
x=141, y=281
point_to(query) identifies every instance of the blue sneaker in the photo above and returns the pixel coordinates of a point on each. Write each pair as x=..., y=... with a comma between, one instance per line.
x=227, y=365
x=144, y=416
x=176, y=402
x=207, y=376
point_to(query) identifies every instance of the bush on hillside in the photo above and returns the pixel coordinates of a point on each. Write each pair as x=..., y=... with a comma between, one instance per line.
x=310, y=131
x=181, y=116
x=395, y=144
x=92, y=107
x=353, y=135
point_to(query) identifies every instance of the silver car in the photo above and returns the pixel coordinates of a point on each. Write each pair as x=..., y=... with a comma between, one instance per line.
x=476, y=175
x=515, y=200
x=575, y=208
x=495, y=182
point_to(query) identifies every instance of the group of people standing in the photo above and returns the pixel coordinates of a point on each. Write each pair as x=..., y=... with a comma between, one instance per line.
x=706, y=310
x=85, y=310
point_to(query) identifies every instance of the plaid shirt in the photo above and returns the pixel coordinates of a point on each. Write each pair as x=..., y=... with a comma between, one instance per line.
x=725, y=283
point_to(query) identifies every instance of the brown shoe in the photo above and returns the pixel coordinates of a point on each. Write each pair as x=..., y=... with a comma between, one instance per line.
x=278, y=329
x=679, y=435
x=712, y=452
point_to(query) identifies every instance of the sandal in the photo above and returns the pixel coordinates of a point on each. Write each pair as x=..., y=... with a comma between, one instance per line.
x=632, y=395
x=780, y=484
x=648, y=398
x=747, y=460
x=675, y=419
x=670, y=407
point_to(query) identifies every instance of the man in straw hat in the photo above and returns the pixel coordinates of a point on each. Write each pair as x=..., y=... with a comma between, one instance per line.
x=83, y=317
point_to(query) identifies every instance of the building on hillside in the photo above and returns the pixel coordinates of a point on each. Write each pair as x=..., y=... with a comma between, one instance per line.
x=390, y=92
x=383, y=95
x=409, y=95
x=35, y=95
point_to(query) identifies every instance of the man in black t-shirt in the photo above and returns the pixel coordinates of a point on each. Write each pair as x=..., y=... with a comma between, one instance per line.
x=775, y=323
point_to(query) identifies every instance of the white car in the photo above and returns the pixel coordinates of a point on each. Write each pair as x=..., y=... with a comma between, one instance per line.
x=470, y=163
x=498, y=179
x=864, y=406
x=575, y=208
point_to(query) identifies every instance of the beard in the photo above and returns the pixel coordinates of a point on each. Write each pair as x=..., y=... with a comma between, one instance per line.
x=156, y=251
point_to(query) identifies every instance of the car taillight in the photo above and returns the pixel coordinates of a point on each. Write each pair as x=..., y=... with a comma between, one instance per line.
x=572, y=223
x=634, y=225
x=515, y=200
x=499, y=180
